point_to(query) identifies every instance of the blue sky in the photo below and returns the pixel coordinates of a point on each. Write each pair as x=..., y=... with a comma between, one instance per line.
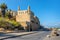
x=48, y=11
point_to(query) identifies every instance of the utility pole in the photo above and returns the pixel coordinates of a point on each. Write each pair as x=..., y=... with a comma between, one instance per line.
x=29, y=26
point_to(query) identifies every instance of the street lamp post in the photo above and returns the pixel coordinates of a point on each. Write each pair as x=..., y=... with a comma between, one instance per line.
x=28, y=26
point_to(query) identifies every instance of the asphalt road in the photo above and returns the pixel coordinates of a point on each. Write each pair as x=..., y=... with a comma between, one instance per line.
x=36, y=36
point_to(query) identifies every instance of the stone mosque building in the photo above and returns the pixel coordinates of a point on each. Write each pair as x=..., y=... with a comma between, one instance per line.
x=27, y=19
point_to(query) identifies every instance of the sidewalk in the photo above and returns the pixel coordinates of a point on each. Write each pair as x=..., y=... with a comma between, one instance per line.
x=53, y=38
x=12, y=35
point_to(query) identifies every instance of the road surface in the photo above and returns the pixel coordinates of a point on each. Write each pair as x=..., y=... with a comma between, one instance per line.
x=36, y=36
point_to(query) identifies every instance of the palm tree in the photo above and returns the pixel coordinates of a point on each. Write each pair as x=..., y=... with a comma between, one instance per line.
x=3, y=7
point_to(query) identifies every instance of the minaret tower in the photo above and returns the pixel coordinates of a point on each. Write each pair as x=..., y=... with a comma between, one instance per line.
x=18, y=7
x=28, y=9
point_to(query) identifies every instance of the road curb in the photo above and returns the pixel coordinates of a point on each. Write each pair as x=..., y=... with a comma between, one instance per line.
x=17, y=36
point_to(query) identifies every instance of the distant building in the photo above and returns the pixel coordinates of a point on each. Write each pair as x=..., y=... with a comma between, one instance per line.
x=0, y=12
x=27, y=19
x=13, y=13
